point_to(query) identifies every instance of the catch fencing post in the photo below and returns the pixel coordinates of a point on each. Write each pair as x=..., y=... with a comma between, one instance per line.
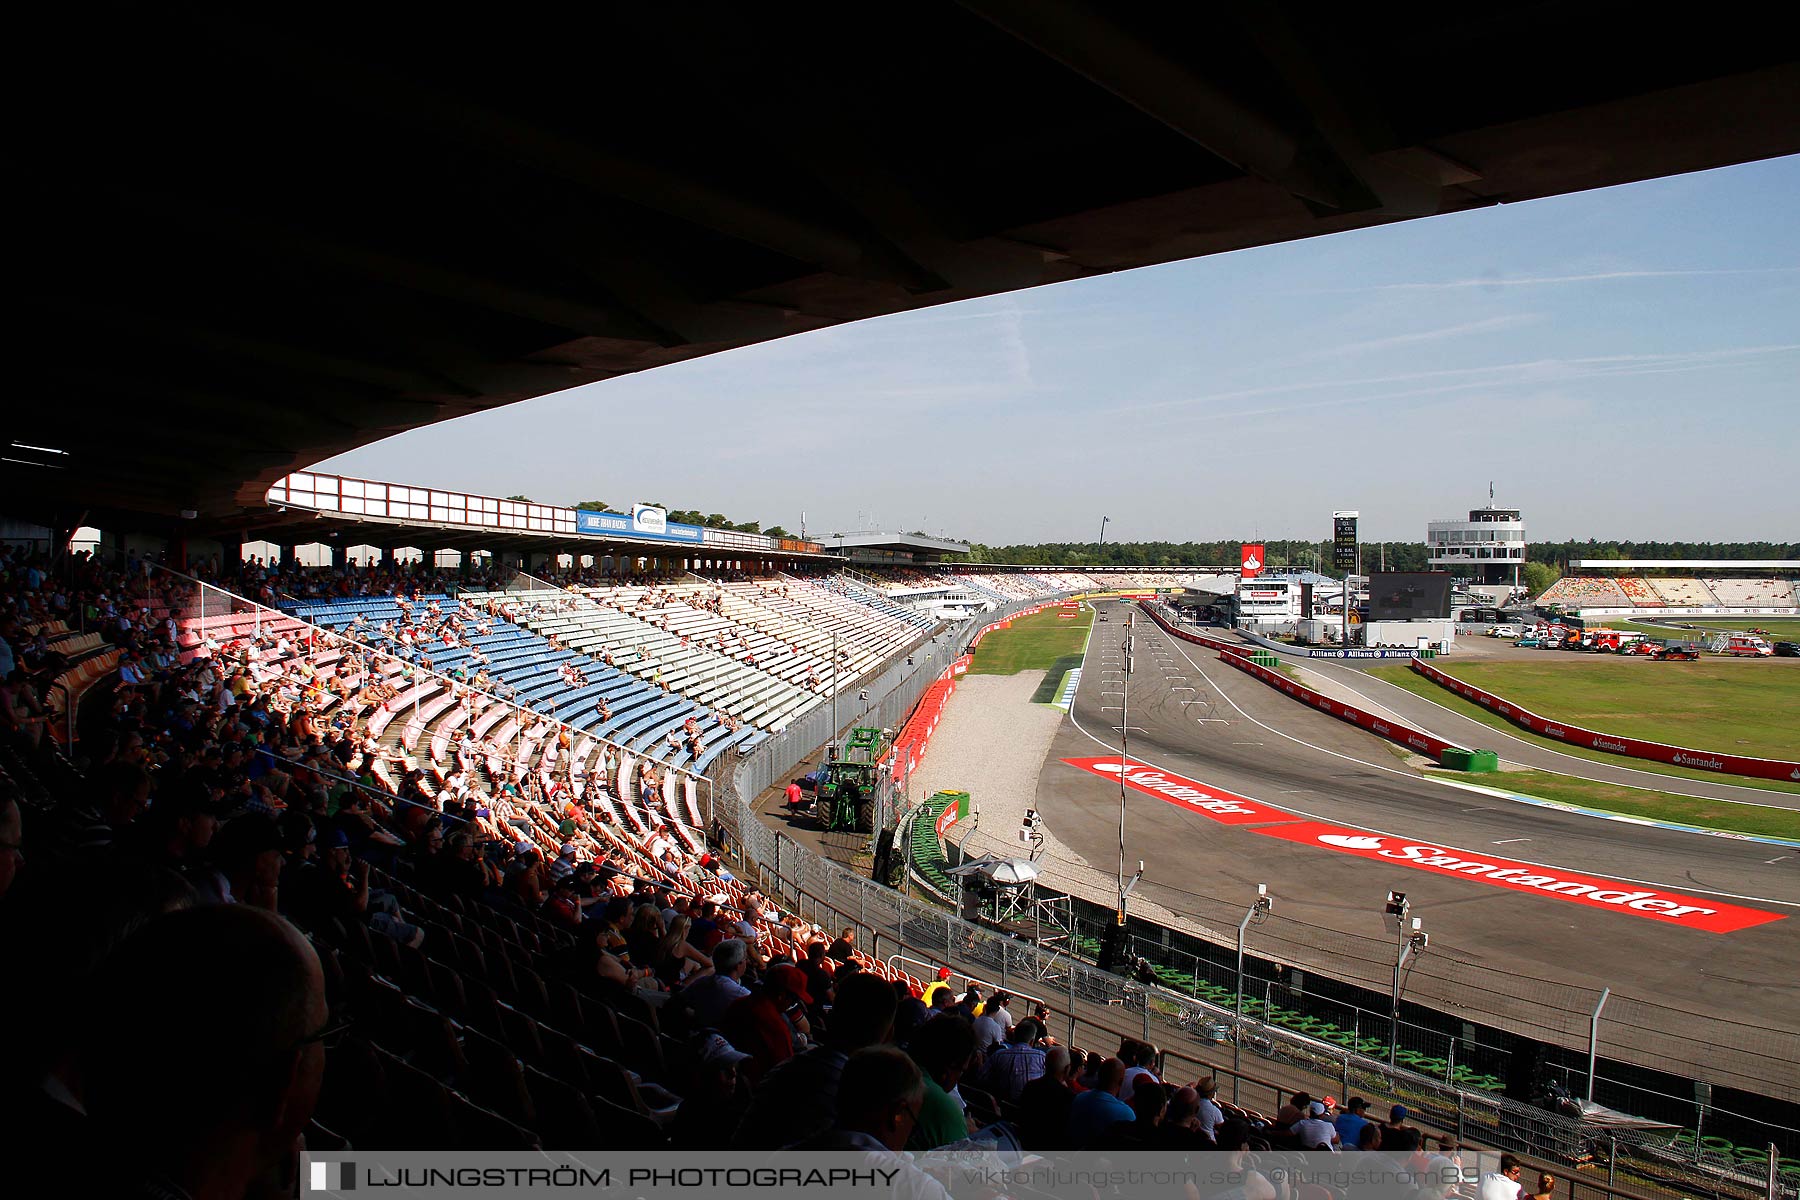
x=1594, y=1039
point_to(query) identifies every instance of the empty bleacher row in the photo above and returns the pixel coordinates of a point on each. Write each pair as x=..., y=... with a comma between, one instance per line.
x=1632, y=591
x=675, y=675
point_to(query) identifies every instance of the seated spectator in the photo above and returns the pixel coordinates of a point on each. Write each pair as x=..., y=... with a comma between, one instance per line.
x=944, y=1049
x=1138, y=1057
x=844, y=947
x=1016, y=1063
x=1181, y=1128
x=797, y=1099
x=1043, y=1104
x=716, y=1098
x=1315, y=1131
x=202, y=1085
x=1397, y=1137
x=12, y=843
x=768, y=1022
x=1504, y=1184
x=882, y=1090
x=1097, y=1110
x=1350, y=1123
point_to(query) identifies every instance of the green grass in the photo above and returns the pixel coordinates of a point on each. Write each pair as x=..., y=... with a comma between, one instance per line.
x=1781, y=629
x=1032, y=644
x=1413, y=682
x=1735, y=707
x=1635, y=802
x=1051, y=685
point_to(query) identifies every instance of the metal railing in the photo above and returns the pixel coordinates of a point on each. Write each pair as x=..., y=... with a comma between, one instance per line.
x=1655, y=1163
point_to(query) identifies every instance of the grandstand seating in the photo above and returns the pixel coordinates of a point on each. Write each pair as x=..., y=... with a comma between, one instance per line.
x=1576, y=591
x=1683, y=593
x=1588, y=591
x=1753, y=593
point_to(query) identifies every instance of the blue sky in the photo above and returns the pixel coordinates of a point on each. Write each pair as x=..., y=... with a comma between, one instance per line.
x=1621, y=363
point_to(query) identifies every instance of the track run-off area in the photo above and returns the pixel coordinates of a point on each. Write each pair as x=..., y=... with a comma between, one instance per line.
x=1560, y=904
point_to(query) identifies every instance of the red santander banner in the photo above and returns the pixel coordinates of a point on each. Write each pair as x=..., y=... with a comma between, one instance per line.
x=1252, y=560
x=1228, y=808
x=1636, y=900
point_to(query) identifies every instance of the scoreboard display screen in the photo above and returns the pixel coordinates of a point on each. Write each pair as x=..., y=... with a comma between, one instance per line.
x=1409, y=596
x=1343, y=540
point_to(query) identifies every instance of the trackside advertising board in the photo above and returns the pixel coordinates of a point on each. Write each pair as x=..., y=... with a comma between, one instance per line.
x=644, y=522
x=1227, y=808
x=1637, y=900
x=1575, y=735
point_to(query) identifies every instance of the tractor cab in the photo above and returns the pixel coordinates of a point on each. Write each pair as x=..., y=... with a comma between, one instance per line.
x=845, y=791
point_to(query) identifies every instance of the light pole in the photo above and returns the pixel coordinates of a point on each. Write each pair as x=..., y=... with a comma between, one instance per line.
x=1103, y=523
x=1264, y=904
x=1124, y=766
x=1409, y=942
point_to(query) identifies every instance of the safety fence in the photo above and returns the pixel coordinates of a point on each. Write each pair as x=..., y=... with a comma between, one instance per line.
x=1575, y=735
x=1662, y=1162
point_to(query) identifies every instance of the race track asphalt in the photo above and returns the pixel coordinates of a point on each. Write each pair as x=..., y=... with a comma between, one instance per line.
x=1525, y=961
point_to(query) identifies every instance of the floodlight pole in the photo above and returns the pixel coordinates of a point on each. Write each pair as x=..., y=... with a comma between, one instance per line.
x=1124, y=760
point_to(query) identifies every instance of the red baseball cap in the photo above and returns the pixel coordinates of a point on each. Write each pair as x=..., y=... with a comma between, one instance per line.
x=943, y=972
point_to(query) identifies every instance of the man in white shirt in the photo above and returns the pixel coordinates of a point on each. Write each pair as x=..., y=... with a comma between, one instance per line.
x=1504, y=1184
x=1314, y=1132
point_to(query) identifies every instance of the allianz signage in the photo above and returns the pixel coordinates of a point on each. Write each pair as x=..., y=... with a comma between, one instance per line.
x=645, y=521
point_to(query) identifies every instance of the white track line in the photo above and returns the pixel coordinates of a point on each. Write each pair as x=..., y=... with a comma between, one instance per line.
x=1676, y=887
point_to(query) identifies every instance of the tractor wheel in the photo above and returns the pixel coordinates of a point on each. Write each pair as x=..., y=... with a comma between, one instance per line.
x=865, y=815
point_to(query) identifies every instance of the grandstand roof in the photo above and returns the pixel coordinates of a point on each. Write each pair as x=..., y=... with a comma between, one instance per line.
x=254, y=241
x=916, y=543
x=1688, y=564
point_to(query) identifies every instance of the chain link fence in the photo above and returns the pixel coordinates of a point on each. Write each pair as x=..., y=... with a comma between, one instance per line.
x=1667, y=1161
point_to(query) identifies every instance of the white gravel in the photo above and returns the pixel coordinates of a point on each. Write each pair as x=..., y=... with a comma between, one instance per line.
x=993, y=742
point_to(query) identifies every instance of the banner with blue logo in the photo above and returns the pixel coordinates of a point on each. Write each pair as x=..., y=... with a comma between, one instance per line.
x=644, y=522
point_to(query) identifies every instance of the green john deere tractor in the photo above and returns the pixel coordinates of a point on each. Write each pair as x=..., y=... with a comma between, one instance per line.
x=845, y=793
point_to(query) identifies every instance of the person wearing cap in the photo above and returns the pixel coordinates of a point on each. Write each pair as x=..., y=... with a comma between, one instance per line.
x=1313, y=1131
x=770, y=1022
x=564, y=864
x=1397, y=1137
x=717, y=1098
x=1350, y=1122
x=940, y=984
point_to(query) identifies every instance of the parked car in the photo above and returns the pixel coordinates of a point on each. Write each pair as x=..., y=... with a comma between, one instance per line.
x=1787, y=649
x=1505, y=631
x=1529, y=641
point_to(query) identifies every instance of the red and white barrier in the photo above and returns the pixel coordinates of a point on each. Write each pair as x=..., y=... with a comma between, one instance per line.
x=1237, y=655
x=1575, y=735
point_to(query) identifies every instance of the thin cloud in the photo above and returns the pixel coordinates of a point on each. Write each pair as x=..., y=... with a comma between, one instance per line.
x=1485, y=325
x=1501, y=281
x=1528, y=371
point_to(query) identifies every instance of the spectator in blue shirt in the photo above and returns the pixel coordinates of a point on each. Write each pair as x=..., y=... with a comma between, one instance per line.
x=1350, y=1122
x=1099, y=1108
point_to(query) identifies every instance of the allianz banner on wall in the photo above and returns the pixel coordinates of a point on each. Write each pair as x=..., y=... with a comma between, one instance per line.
x=644, y=522
x=1252, y=560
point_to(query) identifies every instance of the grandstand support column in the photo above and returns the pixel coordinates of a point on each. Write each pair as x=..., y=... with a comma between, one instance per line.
x=285, y=554
x=338, y=555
